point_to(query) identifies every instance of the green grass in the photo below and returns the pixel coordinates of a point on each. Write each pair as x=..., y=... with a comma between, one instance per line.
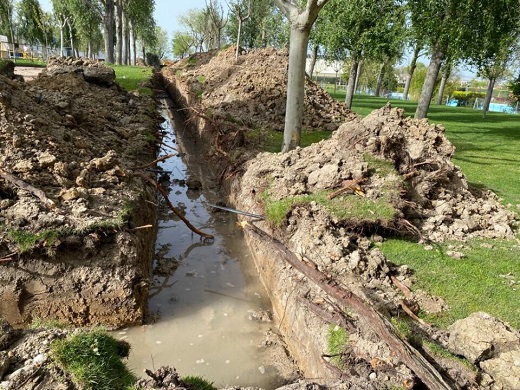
x=36, y=63
x=337, y=340
x=272, y=140
x=93, y=360
x=486, y=279
x=26, y=241
x=198, y=383
x=350, y=208
x=132, y=77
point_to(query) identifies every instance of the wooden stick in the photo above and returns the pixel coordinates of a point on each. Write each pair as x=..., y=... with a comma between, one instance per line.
x=24, y=186
x=172, y=207
x=412, y=315
x=379, y=324
x=406, y=291
x=153, y=162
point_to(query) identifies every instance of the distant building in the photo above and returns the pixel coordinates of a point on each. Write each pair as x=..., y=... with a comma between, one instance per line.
x=325, y=70
x=4, y=47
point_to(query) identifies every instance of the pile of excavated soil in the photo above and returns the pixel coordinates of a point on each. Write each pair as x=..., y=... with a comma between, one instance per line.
x=68, y=199
x=398, y=169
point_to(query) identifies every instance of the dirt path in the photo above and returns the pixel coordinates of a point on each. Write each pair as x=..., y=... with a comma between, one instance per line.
x=28, y=72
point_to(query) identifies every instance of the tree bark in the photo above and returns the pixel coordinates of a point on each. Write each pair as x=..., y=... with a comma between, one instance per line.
x=489, y=95
x=299, y=40
x=411, y=70
x=351, y=82
x=358, y=74
x=377, y=92
x=429, y=83
x=108, y=27
x=119, y=31
x=314, y=56
x=445, y=76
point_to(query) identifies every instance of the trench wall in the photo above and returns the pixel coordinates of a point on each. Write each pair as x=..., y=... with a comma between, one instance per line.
x=304, y=333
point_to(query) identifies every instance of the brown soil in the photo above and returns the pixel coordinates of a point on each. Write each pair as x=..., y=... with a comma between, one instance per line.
x=69, y=201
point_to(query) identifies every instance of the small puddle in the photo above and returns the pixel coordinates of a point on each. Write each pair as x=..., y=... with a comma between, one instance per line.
x=205, y=307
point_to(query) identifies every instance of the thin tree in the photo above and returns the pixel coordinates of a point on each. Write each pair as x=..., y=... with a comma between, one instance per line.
x=241, y=15
x=301, y=20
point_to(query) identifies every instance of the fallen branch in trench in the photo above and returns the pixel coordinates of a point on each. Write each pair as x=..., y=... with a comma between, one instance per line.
x=401, y=286
x=27, y=187
x=412, y=315
x=153, y=162
x=7, y=258
x=377, y=322
x=172, y=207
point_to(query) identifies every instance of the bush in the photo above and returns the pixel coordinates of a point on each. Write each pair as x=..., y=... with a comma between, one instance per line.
x=467, y=98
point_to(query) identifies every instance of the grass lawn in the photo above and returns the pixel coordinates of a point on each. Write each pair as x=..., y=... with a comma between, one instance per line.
x=36, y=63
x=488, y=277
x=131, y=77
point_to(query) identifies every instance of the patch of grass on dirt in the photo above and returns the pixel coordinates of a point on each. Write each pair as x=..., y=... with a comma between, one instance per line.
x=26, y=241
x=40, y=323
x=131, y=78
x=198, y=383
x=337, y=340
x=350, y=207
x=486, y=279
x=93, y=360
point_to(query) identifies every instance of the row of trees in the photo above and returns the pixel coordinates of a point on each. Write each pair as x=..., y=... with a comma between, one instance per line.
x=481, y=33
x=117, y=26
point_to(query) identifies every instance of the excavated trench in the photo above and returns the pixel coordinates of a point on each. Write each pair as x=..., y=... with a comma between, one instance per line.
x=210, y=315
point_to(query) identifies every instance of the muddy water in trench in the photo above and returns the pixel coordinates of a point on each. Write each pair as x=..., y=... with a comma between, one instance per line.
x=204, y=307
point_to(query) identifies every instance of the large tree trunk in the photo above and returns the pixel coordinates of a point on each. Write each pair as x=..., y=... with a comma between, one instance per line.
x=429, y=83
x=380, y=80
x=314, y=56
x=295, y=87
x=351, y=82
x=134, y=46
x=126, y=25
x=411, y=70
x=489, y=95
x=108, y=27
x=237, y=51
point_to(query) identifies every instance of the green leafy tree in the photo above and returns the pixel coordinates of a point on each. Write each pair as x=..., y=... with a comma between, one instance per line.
x=182, y=44
x=456, y=29
x=29, y=14
x=195, y=23
x=140, y=17
x=366, y=30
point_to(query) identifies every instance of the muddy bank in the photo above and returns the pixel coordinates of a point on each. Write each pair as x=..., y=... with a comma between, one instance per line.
x=399, y=169
x=71, y=207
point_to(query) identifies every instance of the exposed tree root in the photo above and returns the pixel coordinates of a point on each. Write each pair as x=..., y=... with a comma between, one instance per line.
x=172, y=207
x=377, y=322
x=27, y=187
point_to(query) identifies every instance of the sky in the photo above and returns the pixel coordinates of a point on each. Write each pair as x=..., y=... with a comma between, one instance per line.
x=167, y=12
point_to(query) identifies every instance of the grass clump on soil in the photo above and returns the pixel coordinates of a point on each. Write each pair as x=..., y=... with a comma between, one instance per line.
x=352, y=207
x=132, y=78
x=26, y=241
x=271, y=141
x=337, y=340
x=34, y=63
x=197, y=383
x=93, y=360
x=40, y=323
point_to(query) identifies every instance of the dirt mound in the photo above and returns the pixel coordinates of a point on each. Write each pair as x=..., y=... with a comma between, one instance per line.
x=252, y=91
x=67, y=141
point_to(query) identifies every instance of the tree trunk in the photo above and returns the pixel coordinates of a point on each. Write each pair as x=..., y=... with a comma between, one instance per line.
x=299, y=40
x=134, y=46
x=380, y=80
x=119, y=32
x=441, y=89
x=358, y=74
x=411, y=70
x=351, y=82
x=489, y=95
x=108, y=27
x=314, y=56
x=71, y=38
x=429, y=83
x=126, y=24
x=238, y=39
x=62, y=26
